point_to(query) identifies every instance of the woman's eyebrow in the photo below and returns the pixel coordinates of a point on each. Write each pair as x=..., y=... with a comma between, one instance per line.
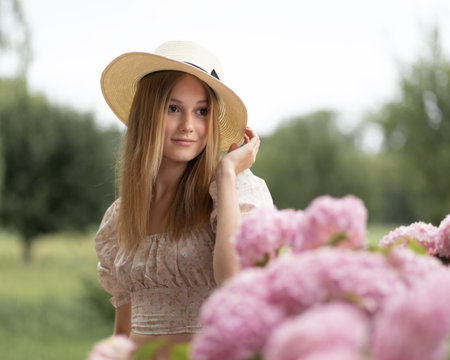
x=180, y=102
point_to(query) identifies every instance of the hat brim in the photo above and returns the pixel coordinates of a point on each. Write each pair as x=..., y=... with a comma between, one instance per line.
x=120, y=79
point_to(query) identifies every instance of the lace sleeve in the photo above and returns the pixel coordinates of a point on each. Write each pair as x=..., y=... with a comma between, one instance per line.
x=251, y=190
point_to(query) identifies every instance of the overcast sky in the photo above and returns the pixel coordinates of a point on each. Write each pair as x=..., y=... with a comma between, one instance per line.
x=283, y=58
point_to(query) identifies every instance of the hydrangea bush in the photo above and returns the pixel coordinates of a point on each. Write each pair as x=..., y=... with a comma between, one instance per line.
x=435, y=240
x=311, y=289
x=329, y=297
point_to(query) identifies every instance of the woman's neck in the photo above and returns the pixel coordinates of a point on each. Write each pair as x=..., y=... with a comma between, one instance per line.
x=168, y=177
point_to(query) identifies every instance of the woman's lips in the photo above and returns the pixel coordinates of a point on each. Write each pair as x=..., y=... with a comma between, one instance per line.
x=184, y=142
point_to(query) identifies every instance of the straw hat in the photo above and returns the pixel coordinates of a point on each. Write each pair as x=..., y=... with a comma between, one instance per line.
x=120, y=79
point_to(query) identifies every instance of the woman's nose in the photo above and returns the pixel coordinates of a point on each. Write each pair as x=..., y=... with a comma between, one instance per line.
x=187, y=124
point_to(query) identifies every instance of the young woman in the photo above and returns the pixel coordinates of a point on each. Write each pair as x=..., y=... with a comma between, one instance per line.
x=164, y=245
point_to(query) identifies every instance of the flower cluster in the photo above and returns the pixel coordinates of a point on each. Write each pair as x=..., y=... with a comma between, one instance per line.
x=326, y=220
x=265, y=231
x=414, y=325
x=436, y=240
x=117, y=347
x=317, y=333
x=242, y=318
x=329, y=302
x=251, y=316
x=329, y=220
x=298, y=281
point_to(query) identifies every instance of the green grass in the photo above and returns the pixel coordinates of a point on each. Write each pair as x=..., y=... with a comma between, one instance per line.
x=44, y=310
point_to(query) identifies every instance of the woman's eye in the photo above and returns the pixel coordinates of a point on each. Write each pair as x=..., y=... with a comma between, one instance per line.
x=203, y=111
x=173, y=108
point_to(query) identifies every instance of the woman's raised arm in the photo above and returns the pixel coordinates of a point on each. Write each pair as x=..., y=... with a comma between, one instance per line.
x=228, y=213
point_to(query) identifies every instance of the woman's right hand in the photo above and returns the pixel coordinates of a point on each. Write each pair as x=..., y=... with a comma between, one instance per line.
x=240, y=158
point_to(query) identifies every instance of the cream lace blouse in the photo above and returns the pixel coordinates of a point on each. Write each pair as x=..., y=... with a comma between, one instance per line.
x=167, y=281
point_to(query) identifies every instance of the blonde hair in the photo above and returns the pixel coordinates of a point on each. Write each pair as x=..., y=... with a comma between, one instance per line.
x=142, y=156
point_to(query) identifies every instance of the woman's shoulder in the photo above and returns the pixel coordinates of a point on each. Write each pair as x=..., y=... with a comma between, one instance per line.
x=107, y=233
x=246, y=179
x=112, y=211
x=252, y=190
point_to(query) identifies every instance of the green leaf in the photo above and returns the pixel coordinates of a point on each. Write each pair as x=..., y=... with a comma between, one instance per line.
x=354, y=299
x=256, y=357
x=416, y=247
x=284, y=250
x=372, y=247
x=337, y=239
x=382, y=250
x=180, y=352
x=263, y=262
x=146, y=351
x=411, y=244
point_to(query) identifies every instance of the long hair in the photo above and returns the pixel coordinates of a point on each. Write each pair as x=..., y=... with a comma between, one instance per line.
x=141, y=160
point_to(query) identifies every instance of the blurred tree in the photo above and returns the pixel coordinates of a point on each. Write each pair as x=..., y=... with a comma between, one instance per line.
x=1, y=168
x=15, y=41
x=417, y=135
x=308, y=157
x=58, y=165
x=14, y=35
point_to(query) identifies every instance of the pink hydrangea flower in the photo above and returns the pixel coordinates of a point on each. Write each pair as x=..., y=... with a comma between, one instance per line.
x=297, y=281
x=412, y=268
x=239, y=318
x=262, y=233
x=117, y=347
x=443, y=238
x=416, y=324
x=425, y=234
x=326, y=329
x=326, y=220
x=329, y=220
x=251, y=282
x=236, y=319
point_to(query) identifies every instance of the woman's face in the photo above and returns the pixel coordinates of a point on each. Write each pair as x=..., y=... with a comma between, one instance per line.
x=186, y=122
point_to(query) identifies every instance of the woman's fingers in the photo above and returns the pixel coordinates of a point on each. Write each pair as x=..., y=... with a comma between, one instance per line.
x=251, y=136
x=232, y=147
x=250, y=133
x=252, y=145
